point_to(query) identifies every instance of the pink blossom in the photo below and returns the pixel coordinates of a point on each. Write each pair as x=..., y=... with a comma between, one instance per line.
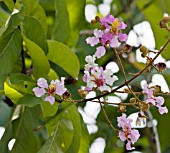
x=97, y=78
x=122, y=26
x=100, y=51
x=155, y=101
x=55, y=88
x=127, y=134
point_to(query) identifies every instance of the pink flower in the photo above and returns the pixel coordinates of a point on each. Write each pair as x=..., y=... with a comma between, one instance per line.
x=122, y=37
x=100, y=51
x=55, y=88
x=127, y=134
x=98, y=78
x=155, y=101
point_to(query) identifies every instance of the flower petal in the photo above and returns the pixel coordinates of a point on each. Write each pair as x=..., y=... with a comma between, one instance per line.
x=100, y=51
x=42, y=83
x=39, y=92
x=50, y=99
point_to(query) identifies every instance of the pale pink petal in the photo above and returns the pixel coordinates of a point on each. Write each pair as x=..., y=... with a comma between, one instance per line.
x=162, y=110
x=100, y=51
x=149, y=100
x=92, y=41
x=60, y=90
x=134, y=135
x=159, y=100
x=42, y=83
x=128, y=146
x=50, y=99
x=39, y=92
x=122, y=26
x=98, y=33
x=122, y=135
x=114, y=43
x=85, y=77
x=123, y=37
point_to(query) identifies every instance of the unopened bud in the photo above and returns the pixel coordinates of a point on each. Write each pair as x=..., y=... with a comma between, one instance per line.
x=97, y=18
x=161, y=67
x=83, y=93
x=122, y=108
x=144, y=106
x=132, y=100
x=66, y=95
x=93, y=22
x=143, y=49
x=164, y=22
x=127, y=48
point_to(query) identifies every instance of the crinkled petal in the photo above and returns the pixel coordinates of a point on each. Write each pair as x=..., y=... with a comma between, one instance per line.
x=159, y=100
x=162, y=110
x=134, y=136
x=150, y=101
x=85, y=77
x=122, y=135
x=50, y=99
x=128, y=146
x=114, y=42
x=100, y=51
x=106, y=38
x=122, y=26
x=123, y=37
x=60, y=90
x=92, y=41
x=42, y=83
x=98, y=33
x=39, y=92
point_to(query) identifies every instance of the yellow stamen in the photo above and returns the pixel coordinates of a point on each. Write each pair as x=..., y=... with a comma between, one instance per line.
x=115, y=25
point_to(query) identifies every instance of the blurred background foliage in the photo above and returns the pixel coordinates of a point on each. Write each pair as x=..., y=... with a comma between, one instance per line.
x=59, y=28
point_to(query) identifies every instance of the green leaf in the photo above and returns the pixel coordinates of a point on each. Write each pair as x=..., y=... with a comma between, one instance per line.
x=10, y=50
x=41, y=17
x=76, y=19
x=49, y=110
x=26, y=140
x=48, y=5
x=2, y=80
x=64, y=57
x=61, y=25
x=33, y=30
x=9, y=4
x=61, y=138
x=30, y=6
x=85, y=139
x=39, y=59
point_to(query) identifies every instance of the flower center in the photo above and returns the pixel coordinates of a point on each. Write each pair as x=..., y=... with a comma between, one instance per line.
x=115, y=26
x=99, y=82
x=51, y=89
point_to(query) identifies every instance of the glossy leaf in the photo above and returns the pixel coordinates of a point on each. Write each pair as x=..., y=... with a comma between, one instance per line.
x=39, y=59
x=49, y=110
x=61, y=25
x=64, y=57
x=10, y=50
x=61, y=138
x=33, y=30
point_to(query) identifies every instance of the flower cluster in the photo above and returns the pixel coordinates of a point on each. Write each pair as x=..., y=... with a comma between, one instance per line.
x=96, y=77
x=127, y=134
x=55, y=88
x=110, y=34
x=155, y=101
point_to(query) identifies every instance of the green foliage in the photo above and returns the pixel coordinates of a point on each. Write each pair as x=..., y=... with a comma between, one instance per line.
x=64, y=57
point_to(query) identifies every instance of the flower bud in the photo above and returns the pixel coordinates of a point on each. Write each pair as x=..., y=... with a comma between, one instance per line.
x=132, y=100
x=122, y=108
x=97, y=18
x=67, y=95
x=164, y=22
x=161, y=67
x=143, y=49
x=83, y=93
x=127, y=48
